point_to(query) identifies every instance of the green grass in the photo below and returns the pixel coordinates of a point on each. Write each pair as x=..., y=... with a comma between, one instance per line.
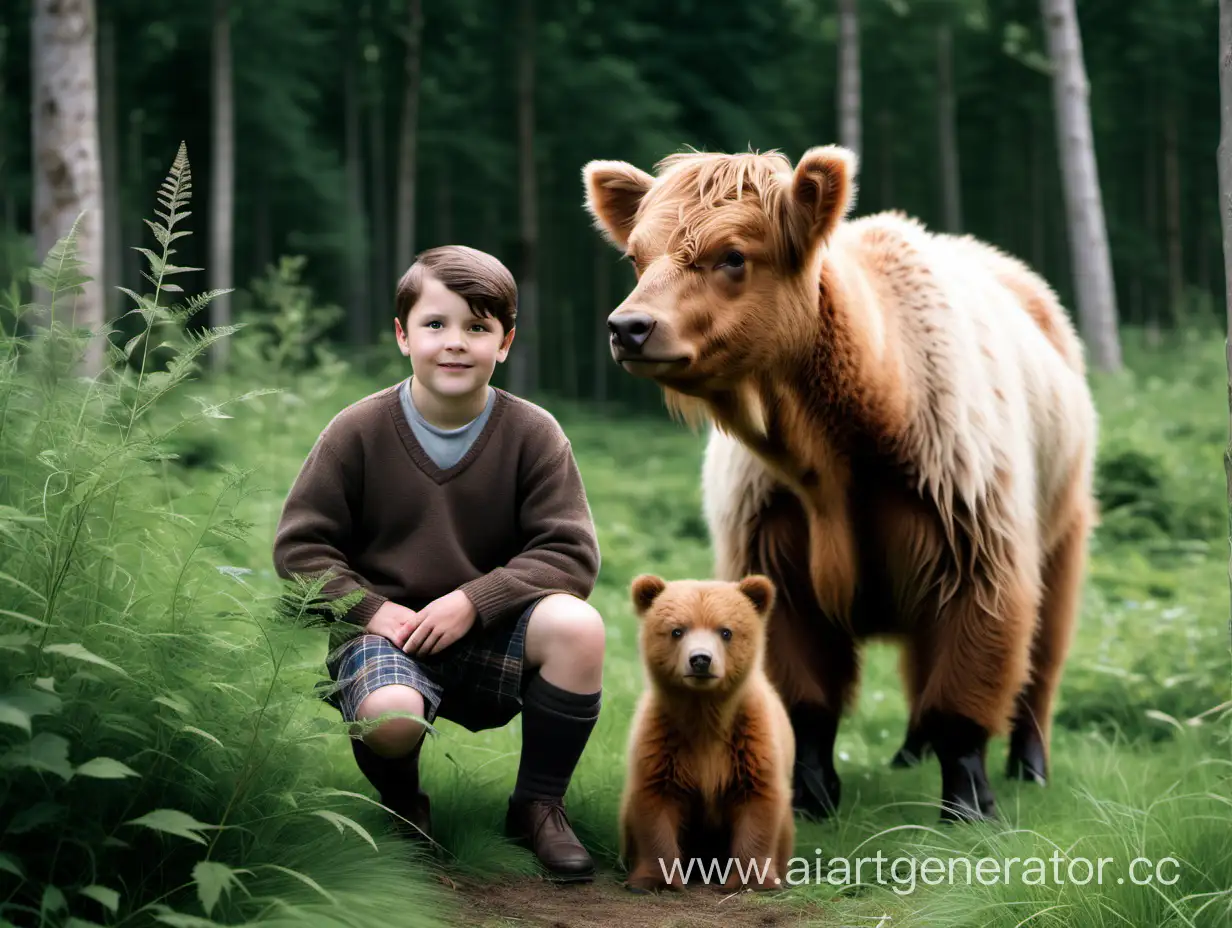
x=142, y=623
x=1136, y=772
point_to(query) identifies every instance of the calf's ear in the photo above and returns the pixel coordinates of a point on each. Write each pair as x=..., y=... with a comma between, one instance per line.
x=823, y=189
x=614, y=190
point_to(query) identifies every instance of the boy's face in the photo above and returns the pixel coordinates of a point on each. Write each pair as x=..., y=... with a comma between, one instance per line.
x=452, y=351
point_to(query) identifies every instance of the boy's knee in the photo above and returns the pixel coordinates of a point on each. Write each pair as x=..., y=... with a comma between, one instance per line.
x=396, y=736
x=574, y=629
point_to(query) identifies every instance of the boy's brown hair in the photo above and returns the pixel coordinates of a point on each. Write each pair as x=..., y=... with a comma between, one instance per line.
x=480, y=279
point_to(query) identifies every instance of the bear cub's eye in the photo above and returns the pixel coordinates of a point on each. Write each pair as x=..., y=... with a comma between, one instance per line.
x=677, y=632
x=725, y=634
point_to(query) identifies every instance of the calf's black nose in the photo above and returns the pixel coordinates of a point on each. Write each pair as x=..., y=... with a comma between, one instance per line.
x=700, y=662
x=630, y=330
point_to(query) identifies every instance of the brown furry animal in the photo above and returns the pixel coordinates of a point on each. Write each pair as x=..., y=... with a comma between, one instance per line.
x=903, y=443
x=711, y=748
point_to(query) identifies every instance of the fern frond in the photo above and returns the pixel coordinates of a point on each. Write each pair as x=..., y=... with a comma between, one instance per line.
x=61, y=270
x=177, y=188
x=159, y=384
x=181, y=313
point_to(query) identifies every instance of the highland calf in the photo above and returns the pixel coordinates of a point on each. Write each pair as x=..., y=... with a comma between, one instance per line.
x=903, y=443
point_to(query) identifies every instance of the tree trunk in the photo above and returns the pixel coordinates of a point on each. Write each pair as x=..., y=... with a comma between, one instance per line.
x=444, y=203
x=133, y=261
x=378, y=191
x=887, y=158
x=1172, y=217
x=222, y=181
x=65, y=142
x=524, y=363
x=262, y=233
x=8, y=204
x=1224, y=162
x=603, y=290
x=1150, y=203
x=109, y=148
x=1091, y=266
x=359, y=306
x=849, y=75
x=1039, y=251
x=405, y=247
x=947, y=130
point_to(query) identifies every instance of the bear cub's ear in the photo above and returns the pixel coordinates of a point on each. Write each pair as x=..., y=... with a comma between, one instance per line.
x=760, y=591
x=646, y=589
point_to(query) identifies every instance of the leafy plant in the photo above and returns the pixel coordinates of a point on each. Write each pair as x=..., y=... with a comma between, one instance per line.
x=155, y=751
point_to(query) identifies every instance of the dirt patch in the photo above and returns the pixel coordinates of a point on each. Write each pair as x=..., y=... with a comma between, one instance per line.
x=606, y=904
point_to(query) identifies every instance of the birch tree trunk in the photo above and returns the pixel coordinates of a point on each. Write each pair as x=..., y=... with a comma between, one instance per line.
x=524, y=359
x=1224, y=163
x=65, y=142
x=1091, y=265
x=222, y=184
x=947, y=130
x=849, y=75
x=405, y=234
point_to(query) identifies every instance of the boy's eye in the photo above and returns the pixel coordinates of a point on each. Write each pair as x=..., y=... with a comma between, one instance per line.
x=434, y=322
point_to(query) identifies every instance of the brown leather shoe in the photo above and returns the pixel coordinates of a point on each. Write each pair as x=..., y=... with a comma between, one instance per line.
x=543, y=826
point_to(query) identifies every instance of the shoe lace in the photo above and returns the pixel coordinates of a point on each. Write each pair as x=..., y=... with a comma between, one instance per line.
x=553, y=812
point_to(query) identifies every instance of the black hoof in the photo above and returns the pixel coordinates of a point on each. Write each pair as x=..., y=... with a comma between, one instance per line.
x=1026, y=761
x=958, y=812
x=914, y=751
x=966, y=795
x=817, y=791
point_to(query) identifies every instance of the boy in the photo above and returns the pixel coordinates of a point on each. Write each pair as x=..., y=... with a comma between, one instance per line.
x=458, y=510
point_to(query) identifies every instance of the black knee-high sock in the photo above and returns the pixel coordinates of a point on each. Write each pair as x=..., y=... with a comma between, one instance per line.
x=556, y=725
x=396, y=779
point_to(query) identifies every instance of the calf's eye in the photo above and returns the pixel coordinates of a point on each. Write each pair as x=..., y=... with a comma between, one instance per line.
x=725, y=634
x=732, y=265
x=677, y=632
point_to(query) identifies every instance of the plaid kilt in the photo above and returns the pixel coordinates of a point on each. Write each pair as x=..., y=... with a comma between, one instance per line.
x=476, y=682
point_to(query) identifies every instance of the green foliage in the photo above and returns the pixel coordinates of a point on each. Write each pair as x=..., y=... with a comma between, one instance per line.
x=160, y=759
x=290, y=329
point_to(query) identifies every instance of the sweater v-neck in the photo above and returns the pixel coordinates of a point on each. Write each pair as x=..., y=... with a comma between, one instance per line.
x=421, y=458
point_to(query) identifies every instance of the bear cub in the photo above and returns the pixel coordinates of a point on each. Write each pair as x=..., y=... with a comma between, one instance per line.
x=711, y=749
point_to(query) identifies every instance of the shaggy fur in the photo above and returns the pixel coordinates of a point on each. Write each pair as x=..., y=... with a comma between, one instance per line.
x=903, y=436
x=710, y=758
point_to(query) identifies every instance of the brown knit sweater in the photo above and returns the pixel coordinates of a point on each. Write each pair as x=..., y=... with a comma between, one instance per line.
x=507, y=524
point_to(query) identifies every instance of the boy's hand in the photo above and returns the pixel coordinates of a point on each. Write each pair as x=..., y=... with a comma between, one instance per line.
x=393, y=622
x=440, y=623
